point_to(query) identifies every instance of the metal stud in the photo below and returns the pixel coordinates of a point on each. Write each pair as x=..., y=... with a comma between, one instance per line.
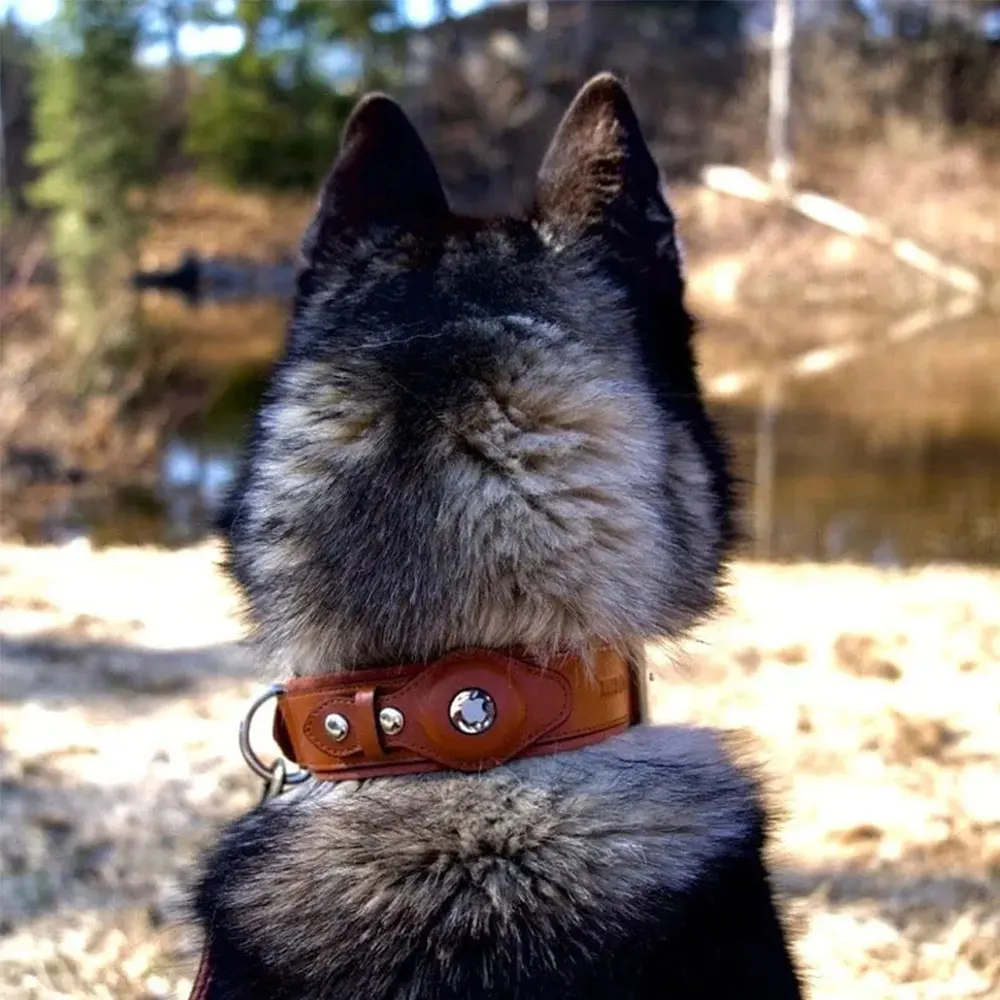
x=390, y=720
x=337, y=726
x=472, y=711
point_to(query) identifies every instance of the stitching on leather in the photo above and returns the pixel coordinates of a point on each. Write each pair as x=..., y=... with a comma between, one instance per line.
x=369, y=736
x=322, y=743
x=428, y=679
x=540, y=730
x=313, y=685
x=411, y=764
x=591, y=729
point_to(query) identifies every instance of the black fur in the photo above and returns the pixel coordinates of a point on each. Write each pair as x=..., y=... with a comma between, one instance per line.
x=723, y=940
x=632, y=869
x=490, y=432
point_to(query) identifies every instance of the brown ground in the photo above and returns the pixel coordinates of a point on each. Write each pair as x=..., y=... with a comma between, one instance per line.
x=875, y=697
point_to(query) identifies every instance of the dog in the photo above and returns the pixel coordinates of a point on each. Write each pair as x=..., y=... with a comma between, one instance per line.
x=489, y=434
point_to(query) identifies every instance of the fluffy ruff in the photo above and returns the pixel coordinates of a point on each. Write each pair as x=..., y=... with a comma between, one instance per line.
x=630, y=869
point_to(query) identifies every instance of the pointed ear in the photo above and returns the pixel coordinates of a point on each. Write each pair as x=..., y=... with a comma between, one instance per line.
x=383, y=175
x=599, y=170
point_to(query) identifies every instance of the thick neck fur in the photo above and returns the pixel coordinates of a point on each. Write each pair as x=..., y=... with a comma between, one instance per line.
x=547, y=870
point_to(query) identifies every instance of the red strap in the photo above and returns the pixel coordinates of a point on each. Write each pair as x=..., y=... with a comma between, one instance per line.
x=203, y=979
x=364, y=700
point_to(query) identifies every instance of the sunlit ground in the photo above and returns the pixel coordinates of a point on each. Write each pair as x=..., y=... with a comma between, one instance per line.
x=874, y=698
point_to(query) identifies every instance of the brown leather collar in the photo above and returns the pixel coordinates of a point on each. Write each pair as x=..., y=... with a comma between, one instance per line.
x=468, y=711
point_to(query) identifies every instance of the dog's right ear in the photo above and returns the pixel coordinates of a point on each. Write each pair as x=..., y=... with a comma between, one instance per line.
x=383, y=176
x=599, y=174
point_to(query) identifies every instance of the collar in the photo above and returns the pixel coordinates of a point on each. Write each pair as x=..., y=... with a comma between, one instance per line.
x=467, y=711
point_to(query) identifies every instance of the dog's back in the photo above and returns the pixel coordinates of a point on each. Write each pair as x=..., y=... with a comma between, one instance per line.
x=490, y=434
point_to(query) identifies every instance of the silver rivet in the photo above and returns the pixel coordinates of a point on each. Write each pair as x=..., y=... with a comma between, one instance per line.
x=337, y=726
x=391, y=720
x=472, y=711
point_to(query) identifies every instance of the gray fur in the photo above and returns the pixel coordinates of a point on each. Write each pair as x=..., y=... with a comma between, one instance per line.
x=544, y=851
x=544, y=525
x=490, y=433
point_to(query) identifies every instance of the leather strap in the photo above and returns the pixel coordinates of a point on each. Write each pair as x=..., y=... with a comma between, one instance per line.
x=521, y=709
x=203, y=978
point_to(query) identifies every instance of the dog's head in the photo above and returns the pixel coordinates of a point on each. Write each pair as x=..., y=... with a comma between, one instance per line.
x=482, y=432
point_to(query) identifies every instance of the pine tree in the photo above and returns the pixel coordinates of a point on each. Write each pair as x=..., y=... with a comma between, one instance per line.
x=94, y=151
x=269, y=114
x=17, y=55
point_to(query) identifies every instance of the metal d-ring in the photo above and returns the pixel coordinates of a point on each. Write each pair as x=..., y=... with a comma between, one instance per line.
x=269, y=774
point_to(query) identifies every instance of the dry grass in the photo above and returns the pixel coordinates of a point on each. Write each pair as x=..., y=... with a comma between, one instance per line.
x=941, y=196
x=43, y=410
x=190, y=213
x=874, y=697
x=218, y=337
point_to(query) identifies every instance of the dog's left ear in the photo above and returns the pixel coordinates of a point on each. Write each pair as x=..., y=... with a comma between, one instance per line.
x=383, y=175
x=599, y=172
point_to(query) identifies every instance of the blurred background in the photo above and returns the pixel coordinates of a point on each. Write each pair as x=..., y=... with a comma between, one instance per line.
x=835, y=167
x=160, y=158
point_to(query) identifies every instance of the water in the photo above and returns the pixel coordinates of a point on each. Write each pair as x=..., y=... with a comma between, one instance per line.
x=892, y=459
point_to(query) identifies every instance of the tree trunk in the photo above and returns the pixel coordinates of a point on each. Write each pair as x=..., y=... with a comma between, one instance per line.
x=538, y=24
x=585, y=38
x=780, y=91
